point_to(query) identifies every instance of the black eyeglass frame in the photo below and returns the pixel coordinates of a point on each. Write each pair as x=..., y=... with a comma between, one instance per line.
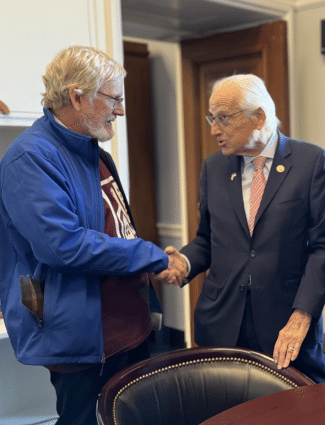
x=221, y=120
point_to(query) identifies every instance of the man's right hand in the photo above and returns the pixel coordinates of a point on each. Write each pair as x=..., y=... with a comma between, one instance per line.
x=176, y=271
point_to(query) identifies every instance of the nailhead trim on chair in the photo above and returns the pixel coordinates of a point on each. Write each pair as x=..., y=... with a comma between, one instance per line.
x=206, y=360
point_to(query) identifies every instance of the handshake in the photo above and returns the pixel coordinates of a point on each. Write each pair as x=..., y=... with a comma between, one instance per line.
x=177, y=269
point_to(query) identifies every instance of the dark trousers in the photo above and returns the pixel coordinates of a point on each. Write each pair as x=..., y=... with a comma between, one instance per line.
x=77, y=392
x=247, y=336
x=311, y=360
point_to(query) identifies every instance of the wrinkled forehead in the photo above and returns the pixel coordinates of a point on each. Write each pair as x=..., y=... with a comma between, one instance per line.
x=226, y=98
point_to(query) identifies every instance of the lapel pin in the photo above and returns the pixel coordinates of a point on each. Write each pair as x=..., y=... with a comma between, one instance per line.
x=233, y=176
x=280, y=168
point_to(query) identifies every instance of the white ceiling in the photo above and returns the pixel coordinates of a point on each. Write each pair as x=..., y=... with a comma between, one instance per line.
x=174, y=20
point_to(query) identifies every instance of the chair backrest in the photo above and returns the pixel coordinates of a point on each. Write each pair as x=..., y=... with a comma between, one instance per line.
x=191, y=385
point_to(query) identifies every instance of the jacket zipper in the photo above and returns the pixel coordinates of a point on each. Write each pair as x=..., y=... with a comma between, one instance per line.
x=40, y=323
x=103, y=364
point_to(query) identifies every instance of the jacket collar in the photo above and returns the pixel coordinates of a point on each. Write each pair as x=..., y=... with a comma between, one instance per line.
x=77, y=143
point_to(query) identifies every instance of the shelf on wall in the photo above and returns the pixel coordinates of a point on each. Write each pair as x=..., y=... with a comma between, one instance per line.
x=19, y=119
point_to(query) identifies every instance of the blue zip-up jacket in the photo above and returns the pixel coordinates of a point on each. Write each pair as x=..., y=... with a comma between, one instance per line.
x=52, y=227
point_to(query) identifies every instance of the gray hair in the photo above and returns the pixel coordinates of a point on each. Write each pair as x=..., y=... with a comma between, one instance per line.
x=88, y=67
x=255, y=95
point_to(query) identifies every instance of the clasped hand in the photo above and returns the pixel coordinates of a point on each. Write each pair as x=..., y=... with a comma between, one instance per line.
x=176, y=271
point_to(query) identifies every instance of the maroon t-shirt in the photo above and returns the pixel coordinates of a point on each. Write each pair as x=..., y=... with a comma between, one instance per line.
x=125, y=312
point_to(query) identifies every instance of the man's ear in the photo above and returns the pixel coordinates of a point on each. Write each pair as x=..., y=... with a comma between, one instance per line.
x=261, y=118
x=75, y=96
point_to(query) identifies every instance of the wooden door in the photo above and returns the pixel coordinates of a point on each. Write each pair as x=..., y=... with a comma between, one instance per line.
x=261, y=51
x=140, y=140
x=250, y=63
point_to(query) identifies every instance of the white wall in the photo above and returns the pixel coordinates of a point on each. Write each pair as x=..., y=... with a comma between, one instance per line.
x=310, y=74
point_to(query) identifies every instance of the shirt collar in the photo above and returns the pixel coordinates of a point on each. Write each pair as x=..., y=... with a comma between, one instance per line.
x=58, y=121
x=268, y=151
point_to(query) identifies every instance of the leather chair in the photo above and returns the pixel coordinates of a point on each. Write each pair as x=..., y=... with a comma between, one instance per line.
x=186, y=387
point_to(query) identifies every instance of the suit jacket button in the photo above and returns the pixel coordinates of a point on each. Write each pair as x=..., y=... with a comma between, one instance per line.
x=242, y=287
x=253, y=253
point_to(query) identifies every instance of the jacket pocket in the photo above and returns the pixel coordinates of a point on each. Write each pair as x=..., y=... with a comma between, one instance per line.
x=210, y=289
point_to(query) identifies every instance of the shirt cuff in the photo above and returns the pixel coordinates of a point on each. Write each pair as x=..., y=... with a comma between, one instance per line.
x=188, y=268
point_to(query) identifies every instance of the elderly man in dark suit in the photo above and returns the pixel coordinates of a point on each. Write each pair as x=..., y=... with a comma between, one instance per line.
x=261, y=233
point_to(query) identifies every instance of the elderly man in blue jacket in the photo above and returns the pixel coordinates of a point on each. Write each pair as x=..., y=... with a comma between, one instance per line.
x=74, y=282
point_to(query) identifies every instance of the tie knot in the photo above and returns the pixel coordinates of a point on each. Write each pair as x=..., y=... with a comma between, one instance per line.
x=259, y=162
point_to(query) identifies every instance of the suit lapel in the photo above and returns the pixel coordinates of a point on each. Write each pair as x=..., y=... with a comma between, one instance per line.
x=234, y=183
x=278, y=173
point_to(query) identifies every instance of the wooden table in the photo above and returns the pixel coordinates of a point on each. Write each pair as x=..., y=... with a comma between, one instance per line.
x=299, y=406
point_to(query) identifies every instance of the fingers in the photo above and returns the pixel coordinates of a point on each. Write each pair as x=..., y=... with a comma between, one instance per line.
x=177, y=268
x=285, y=352
x=178, y=262
x=170, y=250
x=168, y=276
x=171, y=277
x=290, y=339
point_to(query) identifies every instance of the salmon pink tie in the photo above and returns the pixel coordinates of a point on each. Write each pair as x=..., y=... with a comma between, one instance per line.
x=257, y=190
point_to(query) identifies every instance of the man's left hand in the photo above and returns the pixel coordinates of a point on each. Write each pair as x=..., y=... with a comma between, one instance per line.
x=291, y=337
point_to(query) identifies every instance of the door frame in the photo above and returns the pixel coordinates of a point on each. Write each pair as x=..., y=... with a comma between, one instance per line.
x=198, y=51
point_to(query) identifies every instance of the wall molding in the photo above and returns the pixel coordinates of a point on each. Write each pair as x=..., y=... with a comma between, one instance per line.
x=264, y=6
x=308, y=4
x=118, y=145
x=19, y=119
x=273, y=6
x=97, y=25
x=170, y=230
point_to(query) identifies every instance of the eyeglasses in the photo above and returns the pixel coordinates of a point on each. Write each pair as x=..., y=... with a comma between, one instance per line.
x=221, y=120
x=114, y=101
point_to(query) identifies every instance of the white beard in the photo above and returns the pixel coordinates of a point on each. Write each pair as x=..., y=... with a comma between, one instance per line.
x=100, y=133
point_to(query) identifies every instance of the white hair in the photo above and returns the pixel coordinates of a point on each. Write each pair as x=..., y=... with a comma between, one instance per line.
x=88, y=67
x=255, y=95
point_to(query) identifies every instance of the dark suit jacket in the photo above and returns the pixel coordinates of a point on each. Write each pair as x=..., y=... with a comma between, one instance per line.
x=285, y=256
